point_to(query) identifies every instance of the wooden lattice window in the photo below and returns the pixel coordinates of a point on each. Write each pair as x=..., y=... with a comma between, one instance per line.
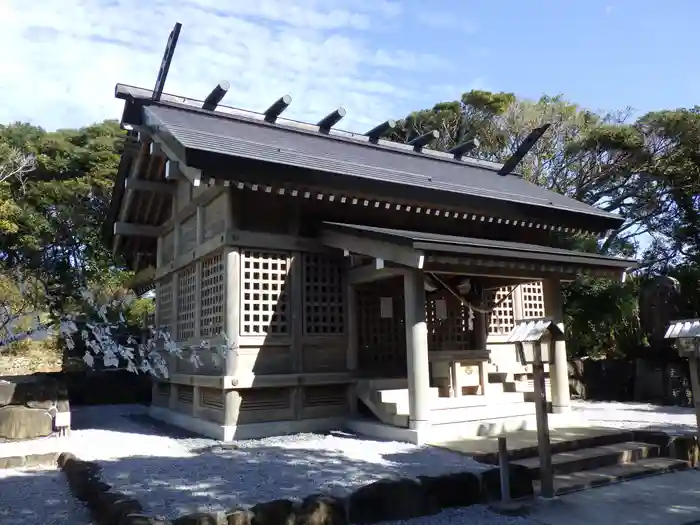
x=452, y=332
x=325, y=395
x=533, y=300
x=188, y=235
x=324, y=305
x=212, y=296
x=165, y=306
x=265, y=298
x=211, y=398
x=185, y=394
x=264, y=399
x=214, y=217
x=186, y=302
x=167, y=248
x=502, y=318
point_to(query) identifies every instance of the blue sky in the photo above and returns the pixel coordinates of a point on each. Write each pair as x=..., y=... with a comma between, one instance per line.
x=378, y=58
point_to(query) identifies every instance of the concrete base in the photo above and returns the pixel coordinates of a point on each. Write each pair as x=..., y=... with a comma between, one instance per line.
x=374, y=429
x=364, y=427
x=249, y=431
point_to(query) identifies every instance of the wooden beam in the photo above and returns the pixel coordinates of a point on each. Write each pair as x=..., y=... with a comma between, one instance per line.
x=369, y=273
x=403, y=255
x=136, y=230
x=194, y=175
x=150, y=185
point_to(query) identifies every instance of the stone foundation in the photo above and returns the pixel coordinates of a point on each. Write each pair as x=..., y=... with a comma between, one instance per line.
x=29, y=406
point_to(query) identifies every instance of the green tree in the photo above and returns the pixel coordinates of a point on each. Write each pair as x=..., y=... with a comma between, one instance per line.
x=54, y=211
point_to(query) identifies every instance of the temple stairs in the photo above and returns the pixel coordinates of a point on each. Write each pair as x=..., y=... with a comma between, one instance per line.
x=507, y=404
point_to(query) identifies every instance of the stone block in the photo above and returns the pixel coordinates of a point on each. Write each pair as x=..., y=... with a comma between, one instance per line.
x=142, y=519
x=40, y=460
x=520, y=477
x=19, y=422
x=238, y=517
x=275, y=512
x=11, y=462
x=198, y=518
x=117, y=510
x=459, y=489
x=684, y=447
x=64, y=458
x=108, y=508
x=389, y=500
x=320, y=509
x=7, y=392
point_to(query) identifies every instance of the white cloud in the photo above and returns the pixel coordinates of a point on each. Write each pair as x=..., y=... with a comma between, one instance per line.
x=61, y=59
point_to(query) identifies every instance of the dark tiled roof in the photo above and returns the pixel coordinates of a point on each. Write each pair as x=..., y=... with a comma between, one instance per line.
x=247, y=138
x=432, y=242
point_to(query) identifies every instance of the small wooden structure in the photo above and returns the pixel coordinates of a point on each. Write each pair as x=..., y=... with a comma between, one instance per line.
x=686, y=334
x=537, y=342
x=353, y=281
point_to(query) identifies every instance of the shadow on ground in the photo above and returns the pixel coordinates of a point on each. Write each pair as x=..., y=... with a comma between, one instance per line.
x=216, y=477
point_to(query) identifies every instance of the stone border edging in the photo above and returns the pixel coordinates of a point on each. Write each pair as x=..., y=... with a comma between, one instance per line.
x=383, y=500
x=29, y=460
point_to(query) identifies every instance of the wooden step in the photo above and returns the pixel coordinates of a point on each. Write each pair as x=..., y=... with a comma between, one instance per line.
x=565, y=483
x=594, y=457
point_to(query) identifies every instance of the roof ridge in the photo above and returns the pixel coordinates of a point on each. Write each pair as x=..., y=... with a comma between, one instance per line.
x=123, y=91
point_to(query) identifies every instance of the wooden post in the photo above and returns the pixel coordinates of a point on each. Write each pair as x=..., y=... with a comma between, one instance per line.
x=695, y=382
x=503, y=463
x=545, y=450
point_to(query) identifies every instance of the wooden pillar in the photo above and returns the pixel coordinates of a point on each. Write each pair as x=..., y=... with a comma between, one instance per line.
x=351, y=327
x=481, y=333
x=232, y=312
x=232, y=317
x=559, y=369
x=232, y=296
x=417, y=351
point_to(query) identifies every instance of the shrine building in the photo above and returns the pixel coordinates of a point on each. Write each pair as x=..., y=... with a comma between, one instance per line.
x=354, y=282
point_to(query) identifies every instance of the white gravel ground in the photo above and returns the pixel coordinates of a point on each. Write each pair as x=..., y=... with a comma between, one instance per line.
x=636, y=416
x=173, y=473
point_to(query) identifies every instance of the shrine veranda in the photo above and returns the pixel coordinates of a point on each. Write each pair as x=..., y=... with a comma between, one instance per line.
x=356, y=283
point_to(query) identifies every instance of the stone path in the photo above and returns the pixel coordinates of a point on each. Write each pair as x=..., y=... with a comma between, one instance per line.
x=668, y=499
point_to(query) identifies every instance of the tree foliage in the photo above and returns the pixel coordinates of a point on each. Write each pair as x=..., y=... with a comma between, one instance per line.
x=645, y=169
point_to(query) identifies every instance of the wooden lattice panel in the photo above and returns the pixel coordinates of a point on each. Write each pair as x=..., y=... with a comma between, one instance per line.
x=185, y=394
x=214, y=217
x=381, y=341
x=264, y=399
x=265, y=298
x=449, y=333
x=186, y=302
x=211, y=398
x=533, y=300
x=167, y=248
x=325, y=395
x=165, y=306
x=188, y=235
x=324, y=296
x=502, y=318
x=163, y=389
x=212, y=296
